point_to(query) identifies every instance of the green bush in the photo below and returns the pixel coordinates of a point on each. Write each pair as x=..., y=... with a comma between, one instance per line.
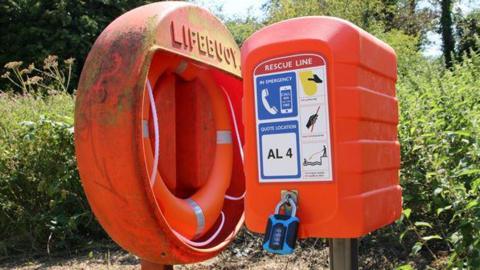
x=42, y=205
x=31, y=29
x=440, y=138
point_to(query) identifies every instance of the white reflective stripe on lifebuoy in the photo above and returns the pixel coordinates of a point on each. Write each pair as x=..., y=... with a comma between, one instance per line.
x=199, y=215
x=206, y=242
x=181, y=67
x=224, y=137
x=145, y=129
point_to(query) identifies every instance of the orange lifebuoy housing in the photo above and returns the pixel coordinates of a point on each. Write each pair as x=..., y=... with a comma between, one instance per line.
x=158, y=133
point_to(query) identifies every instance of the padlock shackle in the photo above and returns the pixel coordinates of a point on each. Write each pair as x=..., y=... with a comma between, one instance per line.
x=285, y=200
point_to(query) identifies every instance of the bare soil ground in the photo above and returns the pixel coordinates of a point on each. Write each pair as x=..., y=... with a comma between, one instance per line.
x=244, y=253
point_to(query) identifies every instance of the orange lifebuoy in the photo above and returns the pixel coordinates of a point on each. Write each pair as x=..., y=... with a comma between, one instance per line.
x=193, y=216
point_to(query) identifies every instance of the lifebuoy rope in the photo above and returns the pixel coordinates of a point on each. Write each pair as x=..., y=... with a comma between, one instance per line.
x=232, y=112
x=155, y=167
x=157, y=133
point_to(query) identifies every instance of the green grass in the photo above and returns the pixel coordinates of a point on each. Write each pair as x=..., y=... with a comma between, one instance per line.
x=42, y=204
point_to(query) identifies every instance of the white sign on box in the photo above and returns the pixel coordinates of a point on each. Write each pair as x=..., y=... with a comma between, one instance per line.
x=293, y=129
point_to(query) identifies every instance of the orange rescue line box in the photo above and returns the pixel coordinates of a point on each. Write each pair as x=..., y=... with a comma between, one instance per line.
x=321, y=118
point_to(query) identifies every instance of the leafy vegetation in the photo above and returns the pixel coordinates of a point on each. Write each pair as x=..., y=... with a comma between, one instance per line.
x=42, y=205
x=440, y=138
x=31, y=29
x=468, y=33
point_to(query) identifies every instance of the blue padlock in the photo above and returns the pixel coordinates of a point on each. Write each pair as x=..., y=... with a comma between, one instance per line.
x=282, y=229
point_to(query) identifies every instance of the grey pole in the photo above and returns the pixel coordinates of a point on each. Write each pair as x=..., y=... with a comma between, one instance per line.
x=343, y=254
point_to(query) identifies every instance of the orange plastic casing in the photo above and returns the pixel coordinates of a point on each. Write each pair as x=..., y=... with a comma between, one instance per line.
x=363, y=193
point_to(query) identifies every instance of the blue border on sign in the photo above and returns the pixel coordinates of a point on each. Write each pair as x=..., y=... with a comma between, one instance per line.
x=295, y=131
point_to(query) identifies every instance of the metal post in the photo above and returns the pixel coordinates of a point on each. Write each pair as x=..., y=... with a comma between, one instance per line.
x=343, y=254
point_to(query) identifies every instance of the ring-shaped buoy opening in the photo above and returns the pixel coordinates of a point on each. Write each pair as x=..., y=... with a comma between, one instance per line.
x=190, y=217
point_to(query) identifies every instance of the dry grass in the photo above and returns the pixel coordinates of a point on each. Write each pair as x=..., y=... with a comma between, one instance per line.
x=244, y=253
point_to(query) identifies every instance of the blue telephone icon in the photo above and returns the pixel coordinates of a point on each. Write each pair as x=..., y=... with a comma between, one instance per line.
x=271, y=109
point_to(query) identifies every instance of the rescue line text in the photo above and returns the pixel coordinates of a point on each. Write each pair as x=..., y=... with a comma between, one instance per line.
x=288, y=64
